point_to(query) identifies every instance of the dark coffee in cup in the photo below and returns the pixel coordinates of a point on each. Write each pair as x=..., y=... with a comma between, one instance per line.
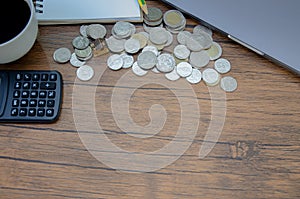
x=14, y=16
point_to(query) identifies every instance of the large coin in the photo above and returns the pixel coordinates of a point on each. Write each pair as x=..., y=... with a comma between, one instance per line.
x=184, y=69
x=165, y=63
x=85, y=73
x=147, y=60
x=195, y=77
x=62, y=55
x=115, y=62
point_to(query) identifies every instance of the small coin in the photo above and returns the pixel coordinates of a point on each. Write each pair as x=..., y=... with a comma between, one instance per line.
x=62, y=55
x=132, y=46
x=147, y=60
x=138, y=70
x=158, y=36
x=200, y=28
x=172, y=76
x=165, y=63
x=183, y=36
x=199, y=59
x=184, y=69
x=115, y=62
x=195, y=77
x=222, y=66
x=85, y=73
x=128, y=60
x=76, y=62
x=80, y=42
x=154, y=14
x=228, y=84
x=115, y=45
x=215, y=51
x=211, y=77
x=181, y=52
x=85, y=53
x=96, y=31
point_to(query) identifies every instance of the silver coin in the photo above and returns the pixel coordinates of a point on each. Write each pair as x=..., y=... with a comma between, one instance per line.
x=76, y=62
x=199, y=59
x=80, y=42
x=123, y=29
x=154, y=14
x=215, y=51
x=195, y=77
x=85, y=73
x=138, y=70
x=115, y=62
x=181, y=52
x=158, y=36
x=204, y=39
x=132, y=46
x=169, y=40
x=81, y=54
x=62, y=55
x=200, y=28
x=165, y=63
x=115, y=45
x=82, y=30
x=147, y=60
x=183, y=36
x=211, y=77
x=184, y=69
x=193, y=44
x=128, y=60
x=152, y=49
x=228, y=84
x=172, y=76
x=96, y=31
x=222, y=65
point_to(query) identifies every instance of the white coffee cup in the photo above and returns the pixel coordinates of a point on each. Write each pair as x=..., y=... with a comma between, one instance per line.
x=18, y=46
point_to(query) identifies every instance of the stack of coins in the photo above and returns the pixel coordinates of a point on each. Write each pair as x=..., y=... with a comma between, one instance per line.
x=154, y=17
x=174, y=21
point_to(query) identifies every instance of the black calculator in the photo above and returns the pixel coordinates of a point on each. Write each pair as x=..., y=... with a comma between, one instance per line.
x=30, y=95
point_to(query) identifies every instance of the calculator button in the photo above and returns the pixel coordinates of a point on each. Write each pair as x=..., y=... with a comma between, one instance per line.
x=23, y=112
x=40, y=112
x=32, y=112
x=19, y=76
x=25, y=94
x=50, y=112
x=26, y=85
x=33, y=94
x=43, y=94
x=18, y=85
x=17, y=94
x=48, y=85
x=41, y=103
x=44, y=77
x=53, y=77
x=50, y=103
x=35, y=85
x=24, y=103
x=15, y=103
x=36, y=77
x=33, y=103
x=27, y=77
x=51, y=94
x=14, y=112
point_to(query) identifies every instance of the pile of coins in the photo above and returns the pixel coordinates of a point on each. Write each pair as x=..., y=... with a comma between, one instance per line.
x=189, y=59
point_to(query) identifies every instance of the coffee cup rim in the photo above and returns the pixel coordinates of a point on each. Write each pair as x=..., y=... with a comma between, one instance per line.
x=32, y=12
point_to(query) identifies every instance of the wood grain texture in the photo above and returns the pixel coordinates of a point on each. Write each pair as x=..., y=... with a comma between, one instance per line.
x=256, y=156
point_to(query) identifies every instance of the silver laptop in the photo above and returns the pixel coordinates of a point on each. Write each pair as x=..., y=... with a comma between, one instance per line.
x=271, y=28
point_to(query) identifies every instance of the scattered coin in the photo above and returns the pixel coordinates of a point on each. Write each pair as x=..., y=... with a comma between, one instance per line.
x=115, y=62
x=199, y=59
x=128, y=60
x=184, y=69
x=83, y=54
x=142, y=38
x=215, y=51
x=152, y=49
x=82, y=30
x=154, y=15
x=80, y=42
x=96, y=31
x=147, y=60
x=222, y=66
x=172, y=76
x=158, y=36
x=76, y=62
x=183, y=36
x=181, y=52
x=85, y=73
x=62, y=55
x=174, y=21
x=195, y=77
x=115, y=45
x=200, y=28
x=138, y=70
x=132, y=46
x=228, y=84
x=211, y=77
x=165, y=63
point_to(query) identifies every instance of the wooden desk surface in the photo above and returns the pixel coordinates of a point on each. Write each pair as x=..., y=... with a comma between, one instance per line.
x=256, y=155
